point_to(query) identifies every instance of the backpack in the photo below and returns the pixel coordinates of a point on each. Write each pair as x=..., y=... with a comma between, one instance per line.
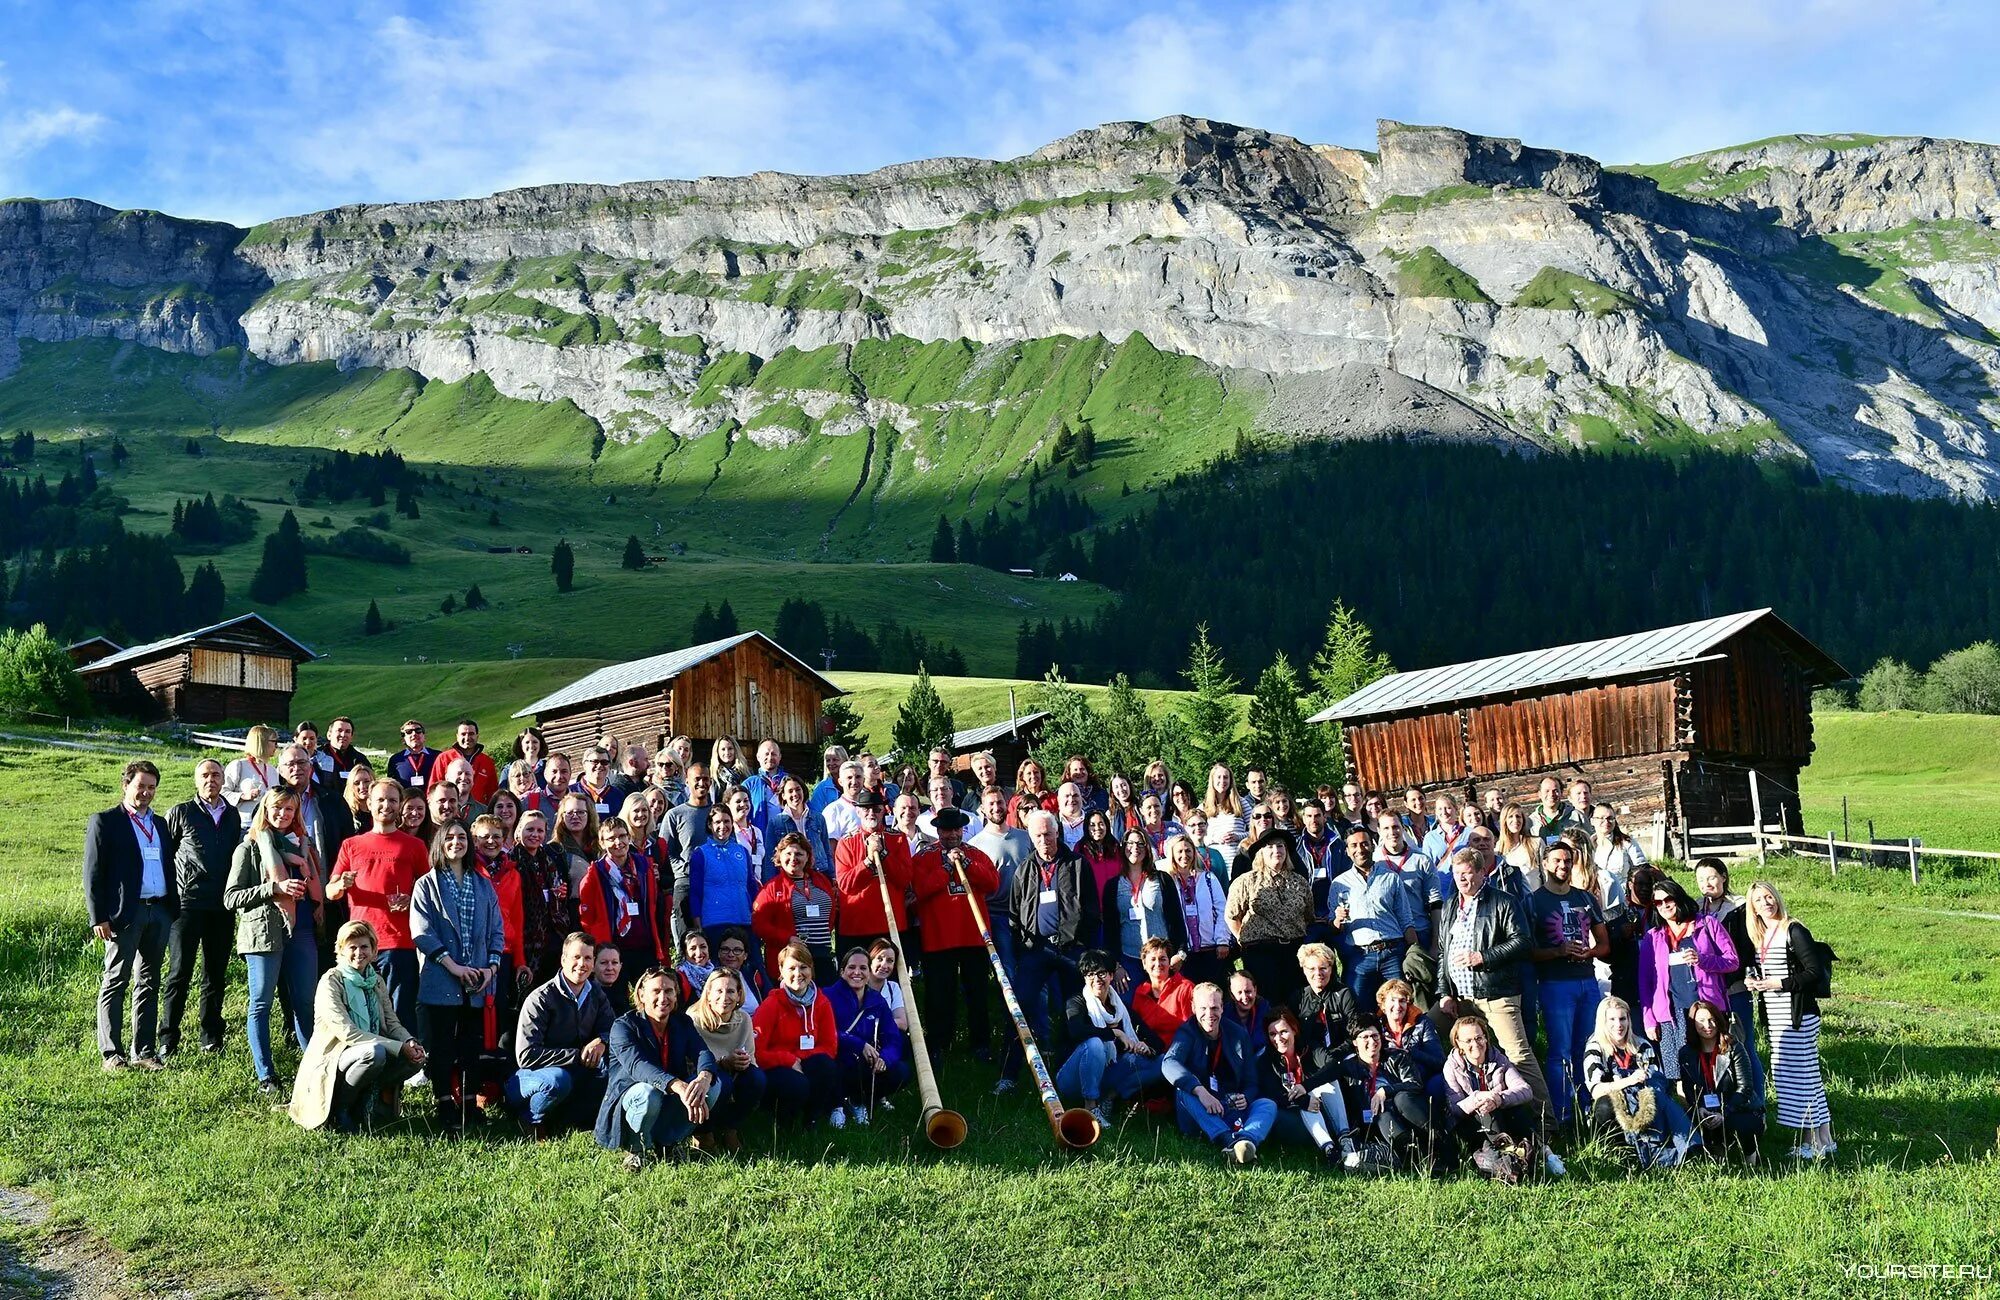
x=1823, y=958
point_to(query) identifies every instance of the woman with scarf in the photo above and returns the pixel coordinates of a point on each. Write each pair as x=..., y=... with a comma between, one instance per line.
x=1138, y=904
x=724, y=1024
x=1301, y=1073
x=359, y=1050
x=695, y=965
x=1491, y=1104
x=455, y=923
x=276, y=887
x=872, y=1064
x=619, y=903
x=548, y=910
x=796, y=1042
x=797, y=903
x=1199, y=898
x=1110, y=1061
x=1630, y=1102
x=663, y=1079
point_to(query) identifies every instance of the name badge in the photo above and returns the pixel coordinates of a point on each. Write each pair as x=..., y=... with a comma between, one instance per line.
x=1709, y=1101
x=1138, y=912
x=631, y=907
x=812, y=911
x=805, y=1042
x=1367, y=1115
x=1047, y=896
x=604, y=810
x=416, y=781
x=1214, y=1085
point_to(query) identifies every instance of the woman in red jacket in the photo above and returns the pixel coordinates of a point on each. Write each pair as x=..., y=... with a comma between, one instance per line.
x=954, y=953
x=796, y=903
x=796, y=1042
x=618, y=904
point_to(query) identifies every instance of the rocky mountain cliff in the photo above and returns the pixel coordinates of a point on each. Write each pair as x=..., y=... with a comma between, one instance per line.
x=1833, y=298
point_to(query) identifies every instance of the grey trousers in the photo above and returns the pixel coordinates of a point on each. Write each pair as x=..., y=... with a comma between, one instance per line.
x=132, y=957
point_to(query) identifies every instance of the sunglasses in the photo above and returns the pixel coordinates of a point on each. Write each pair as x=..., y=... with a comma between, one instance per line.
x=1661, y=902
x=413, y=731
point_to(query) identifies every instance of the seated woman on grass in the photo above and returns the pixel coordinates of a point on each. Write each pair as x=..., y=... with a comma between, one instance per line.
x=359, y=1053
x=1301, y=1073
x=1493, y=1106
x=1718, y=1086
x=1631, y=1105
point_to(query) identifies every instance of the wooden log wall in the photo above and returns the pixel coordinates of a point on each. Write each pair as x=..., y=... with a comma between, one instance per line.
x=748, y=693
x=1754, y=703
x=1612, y=721
x=222, y=667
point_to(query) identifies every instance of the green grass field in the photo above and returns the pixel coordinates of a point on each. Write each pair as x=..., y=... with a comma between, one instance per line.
x=195, y=1177
x=1932, y=775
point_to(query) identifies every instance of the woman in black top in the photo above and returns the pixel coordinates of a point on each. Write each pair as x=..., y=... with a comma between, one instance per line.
x=1716, y=1085
x=1303, y=1077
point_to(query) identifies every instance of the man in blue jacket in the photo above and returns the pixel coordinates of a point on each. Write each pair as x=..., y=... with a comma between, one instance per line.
x=1212, y=1067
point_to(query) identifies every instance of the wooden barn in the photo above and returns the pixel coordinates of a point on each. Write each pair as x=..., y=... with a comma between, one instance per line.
x=240, y=670
x=747, y=687
x=1666, y=725
x=1009, y=739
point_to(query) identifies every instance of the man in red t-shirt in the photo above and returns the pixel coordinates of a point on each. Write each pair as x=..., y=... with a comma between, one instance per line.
x=955, y=958
x=376, y=873
x=485, y=776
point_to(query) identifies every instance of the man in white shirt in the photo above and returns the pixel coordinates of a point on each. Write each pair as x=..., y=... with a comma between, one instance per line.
x=841, y=817
x=942, y=792
x=1009, y=847
x=131, y=900
x=1069, y=811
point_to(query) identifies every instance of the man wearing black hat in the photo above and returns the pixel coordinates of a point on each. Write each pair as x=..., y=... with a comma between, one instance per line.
x=862, y=920
x=954, y=952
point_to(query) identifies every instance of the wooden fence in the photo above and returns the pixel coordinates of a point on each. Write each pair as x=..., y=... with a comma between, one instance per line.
x=1763, y=838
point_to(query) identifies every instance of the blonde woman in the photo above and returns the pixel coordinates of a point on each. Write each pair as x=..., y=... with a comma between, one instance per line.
x=576, y=836
x=276, y=888
x=1788, y=974
x=1629, y=1096
x=1226, y=826
x=360, y=780
x=726, y=766
x=250, y=773
x=1521, y=847
x=359, y=1049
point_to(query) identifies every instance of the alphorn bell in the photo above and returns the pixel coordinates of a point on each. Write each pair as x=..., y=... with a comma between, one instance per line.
x=945, y=1128
x=1076, y=1128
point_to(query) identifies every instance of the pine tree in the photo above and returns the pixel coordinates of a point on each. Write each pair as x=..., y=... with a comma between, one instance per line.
x=449, y=605
x=1072, y=727
x=943, y=549
x=371, y=622
x=922, y=720
x=1131, y=738
x=725, y=619
x=704, y=626
x=282, y=571
x=635, y=554
x=1208, y=714
x=840, y=724
x=475, y=598
x=406, y=504
x=203, y=602
x=563, y=565
x=968, y=545
x=37, y=677
x=1290, y=750
x=1347, y=661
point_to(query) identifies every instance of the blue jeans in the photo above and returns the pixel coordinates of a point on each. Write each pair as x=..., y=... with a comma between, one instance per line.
x=659, y=1118
x=287, y=975
x=1369, y=971
x=539, y=1093
x=1003, y=939
x=1042, y=986
x=1569, y=1009
x=400, y=972
x=1254, y=1123
x=1091, y=1074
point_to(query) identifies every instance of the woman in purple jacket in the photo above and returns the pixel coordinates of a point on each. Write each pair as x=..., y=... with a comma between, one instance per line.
x=1681, y=962
x=871, y=1046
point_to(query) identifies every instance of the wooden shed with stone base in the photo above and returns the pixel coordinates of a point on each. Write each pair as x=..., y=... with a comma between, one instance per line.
x=240, y=670
x=746, y=687
x=1666, y=725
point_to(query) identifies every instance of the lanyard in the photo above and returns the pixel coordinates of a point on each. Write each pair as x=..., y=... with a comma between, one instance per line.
x=1397, y=863
x=1048, y=875
x=1623, y=1060
x=1190, y=912
x=1295, y=1069
x=1373, y=1071
x=262, y=770
x=1708, y=1070
x=1215, y=1060
x=1677, y=935
x=143, y=828
x=1764, y=948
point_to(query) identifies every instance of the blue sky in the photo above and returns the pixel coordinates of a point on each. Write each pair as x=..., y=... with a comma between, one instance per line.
x=243, y=111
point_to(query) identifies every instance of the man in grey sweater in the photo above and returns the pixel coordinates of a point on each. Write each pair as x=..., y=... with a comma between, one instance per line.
x=559, y=1045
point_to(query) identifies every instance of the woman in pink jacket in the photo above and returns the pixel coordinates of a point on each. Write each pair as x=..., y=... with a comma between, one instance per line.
x=1684, y=959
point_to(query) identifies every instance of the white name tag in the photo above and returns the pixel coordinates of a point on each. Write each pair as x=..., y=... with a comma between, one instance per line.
x=603, y=809
x=1138, y=912
x=631, y=907
x=812, y=911
x=417, y=781
x=1047, y=896
x=1709, y=1101
x=1214, y=1086
x=805, y=1042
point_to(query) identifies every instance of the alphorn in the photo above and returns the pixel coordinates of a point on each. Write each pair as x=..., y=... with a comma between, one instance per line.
x=1076, y=1128
x=945, y=1128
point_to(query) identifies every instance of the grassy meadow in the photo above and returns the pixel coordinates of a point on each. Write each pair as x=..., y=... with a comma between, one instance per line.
x=195, y=1177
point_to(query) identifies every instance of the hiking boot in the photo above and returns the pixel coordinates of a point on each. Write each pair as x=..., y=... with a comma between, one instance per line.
x=634, y=1162
x=115, y=1062
x=1243, y=1153
x=148, y=1062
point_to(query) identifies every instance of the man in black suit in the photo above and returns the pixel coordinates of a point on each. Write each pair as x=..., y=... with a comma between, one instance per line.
x=129, y=893
x=325, y=824
x=202, y=834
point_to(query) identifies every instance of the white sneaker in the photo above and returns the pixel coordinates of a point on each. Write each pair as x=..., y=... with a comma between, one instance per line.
x=839, y=1117
x=1243, y=1153
x=1554, y=1164
x=860, y=1117
x=1351, y=1159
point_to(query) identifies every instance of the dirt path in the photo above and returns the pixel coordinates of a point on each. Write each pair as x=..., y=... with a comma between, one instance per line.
x=61, y=1262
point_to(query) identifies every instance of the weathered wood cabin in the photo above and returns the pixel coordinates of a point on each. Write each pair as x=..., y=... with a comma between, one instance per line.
x=1666, y=725
x=1010, y=739
x=239, y=670
x=746, y=687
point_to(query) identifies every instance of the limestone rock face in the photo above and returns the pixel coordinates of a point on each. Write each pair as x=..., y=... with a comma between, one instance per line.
x=1833, y=300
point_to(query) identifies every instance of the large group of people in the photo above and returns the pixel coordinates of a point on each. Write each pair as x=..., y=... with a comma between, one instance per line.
x=662, y=947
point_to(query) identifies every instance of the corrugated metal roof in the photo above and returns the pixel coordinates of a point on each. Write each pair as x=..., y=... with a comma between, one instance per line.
x=167, y=643
x=978, y=736
x=1617, y=656
x=641, y=673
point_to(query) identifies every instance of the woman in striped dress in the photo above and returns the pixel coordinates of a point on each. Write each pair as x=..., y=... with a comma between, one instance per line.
x=1787, y=977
